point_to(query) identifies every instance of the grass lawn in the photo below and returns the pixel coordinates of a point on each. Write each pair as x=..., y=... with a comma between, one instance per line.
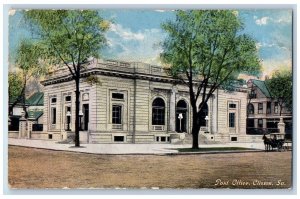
x=213, y=149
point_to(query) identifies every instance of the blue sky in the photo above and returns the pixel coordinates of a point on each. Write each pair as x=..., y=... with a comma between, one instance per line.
x=135, y=35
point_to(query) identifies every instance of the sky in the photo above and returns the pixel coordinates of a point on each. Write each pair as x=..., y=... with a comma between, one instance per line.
x=135, y=35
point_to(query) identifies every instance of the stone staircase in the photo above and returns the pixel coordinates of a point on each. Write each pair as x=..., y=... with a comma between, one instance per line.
x=202, y=139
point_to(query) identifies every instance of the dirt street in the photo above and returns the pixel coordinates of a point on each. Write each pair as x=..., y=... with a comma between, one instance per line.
x=39, y=168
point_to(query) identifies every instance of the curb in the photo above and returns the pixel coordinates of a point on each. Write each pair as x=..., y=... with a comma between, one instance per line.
x=160, y=154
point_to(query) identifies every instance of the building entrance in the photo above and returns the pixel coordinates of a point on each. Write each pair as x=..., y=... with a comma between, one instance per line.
x=85, y=110
x=203, y=114
x=181, y=116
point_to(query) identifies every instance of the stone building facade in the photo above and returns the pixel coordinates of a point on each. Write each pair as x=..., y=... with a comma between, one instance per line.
x=136, y=103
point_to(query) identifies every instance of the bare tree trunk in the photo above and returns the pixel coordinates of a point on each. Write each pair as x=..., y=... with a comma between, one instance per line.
x=24, y=97
x=195, y=131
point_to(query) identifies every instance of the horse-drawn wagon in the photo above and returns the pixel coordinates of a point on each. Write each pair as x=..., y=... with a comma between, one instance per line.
x=274, y=141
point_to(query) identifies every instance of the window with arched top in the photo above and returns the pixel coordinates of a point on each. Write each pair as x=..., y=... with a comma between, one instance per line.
x=181, y=116
x=250, y=109
x=158, y=112
x=181, y=104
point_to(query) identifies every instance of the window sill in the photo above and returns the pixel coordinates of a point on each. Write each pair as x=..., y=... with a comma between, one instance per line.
x=158, y=127
x=117, y=127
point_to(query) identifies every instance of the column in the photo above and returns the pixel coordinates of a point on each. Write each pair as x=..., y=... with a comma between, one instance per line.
x=281, y=126
x=214, y=112
x=29, y=127
x=22, y=126
x=173, y=109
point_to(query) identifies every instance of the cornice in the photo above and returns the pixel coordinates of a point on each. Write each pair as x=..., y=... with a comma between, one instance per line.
x=113, y=73
x=118, y=73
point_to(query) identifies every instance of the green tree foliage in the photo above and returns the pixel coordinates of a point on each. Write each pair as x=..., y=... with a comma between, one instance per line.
x=28, y=64
x=205, y=49
x=15, y=86
x=281, y=89
x=70, y=37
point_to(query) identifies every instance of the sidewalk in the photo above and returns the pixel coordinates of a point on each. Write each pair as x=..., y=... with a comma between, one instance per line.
x=129, y=149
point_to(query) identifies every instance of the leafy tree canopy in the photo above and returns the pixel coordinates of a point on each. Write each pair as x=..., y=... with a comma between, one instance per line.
x=28, y=65
x=70, y=36
x=28, y=59
x=15, y=85
x=210, y=43
x=205, y=49
x=281, y=88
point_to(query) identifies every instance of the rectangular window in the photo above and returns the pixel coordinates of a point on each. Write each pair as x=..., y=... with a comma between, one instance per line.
x=68, y=98
x=118, y=138
x=117, y=114
x=268, y=107
x=53, y=100
x=260, y=108
x=53, y=115
x=232, y=120
x=68, y=109
x=119, y=96
x=276, y=107
x=260, y=123
x=232, y=105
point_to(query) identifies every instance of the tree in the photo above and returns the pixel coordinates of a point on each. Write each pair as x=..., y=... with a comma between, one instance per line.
x=206, y=50
x=281, y=89
x=28, y=64
x=15, y=86
x=70, y=37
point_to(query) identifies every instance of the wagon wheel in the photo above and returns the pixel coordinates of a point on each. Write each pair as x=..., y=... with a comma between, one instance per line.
x=280, y=145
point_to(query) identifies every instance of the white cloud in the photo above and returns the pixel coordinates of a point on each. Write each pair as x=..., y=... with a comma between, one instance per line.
x=262, y=21
x=140, y=46
x=160, y=10
x=126, y=33
x=236, y=13
x=264, y=44
x=11, y=12
x=258, y=45
x=271, y=65
x=163, y=10
x=283, y=20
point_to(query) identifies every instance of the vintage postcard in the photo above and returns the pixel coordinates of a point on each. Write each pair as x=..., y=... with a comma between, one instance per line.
x=150, y=98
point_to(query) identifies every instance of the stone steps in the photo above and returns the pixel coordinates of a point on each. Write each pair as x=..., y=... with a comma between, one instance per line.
x=202, y=139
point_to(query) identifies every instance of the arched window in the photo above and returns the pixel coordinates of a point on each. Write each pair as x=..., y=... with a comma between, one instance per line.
x=181, y=104
x=158, y=112
x=181, y=116
x=250, y=109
